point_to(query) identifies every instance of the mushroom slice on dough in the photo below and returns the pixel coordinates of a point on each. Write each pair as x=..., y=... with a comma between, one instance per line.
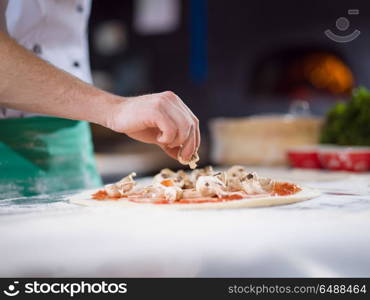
x=209, y=186
x=183, y=180
x=121, y=187
x=164, y=174
x=234, y=177
x=266, y=183
x=173, y=193
x=195, y=174
x=251, y=184
x=234, y=184
x=127, y=183
x=112, y=190
x=169, y=190
x=221, y=176
x=236, y=172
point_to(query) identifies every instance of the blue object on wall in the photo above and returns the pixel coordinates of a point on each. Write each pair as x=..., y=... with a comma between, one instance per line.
x=198, y=41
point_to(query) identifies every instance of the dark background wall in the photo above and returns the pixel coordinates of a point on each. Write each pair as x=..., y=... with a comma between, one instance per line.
x=240, y=35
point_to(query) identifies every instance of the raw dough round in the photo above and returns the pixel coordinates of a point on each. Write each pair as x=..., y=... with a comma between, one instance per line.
x=85, y=199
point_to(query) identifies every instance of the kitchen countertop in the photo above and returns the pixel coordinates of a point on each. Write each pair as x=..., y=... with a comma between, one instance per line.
x=324, y=237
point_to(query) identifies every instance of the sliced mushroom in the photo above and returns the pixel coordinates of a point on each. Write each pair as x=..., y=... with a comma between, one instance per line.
x=266, y=183
x=112, y=190
x=173, y=193
x=206, y=171
x=184, y=180
x=252, y=187
x=234, y=184
x=209, y=186
x=121, y=187
x=192, y=162
x=221, y=176
x=164, y=174
x=127, y=183
x=236, y=172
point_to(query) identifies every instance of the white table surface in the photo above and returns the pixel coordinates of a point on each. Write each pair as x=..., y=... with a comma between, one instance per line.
x=324, y=237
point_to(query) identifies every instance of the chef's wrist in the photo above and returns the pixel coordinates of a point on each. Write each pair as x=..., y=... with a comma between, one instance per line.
x=112, y=104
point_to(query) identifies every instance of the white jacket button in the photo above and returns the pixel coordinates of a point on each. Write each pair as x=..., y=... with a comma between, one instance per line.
x=37, y=49
x=79, y=8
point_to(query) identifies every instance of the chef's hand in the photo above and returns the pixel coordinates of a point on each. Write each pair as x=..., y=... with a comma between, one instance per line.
x=161, y=119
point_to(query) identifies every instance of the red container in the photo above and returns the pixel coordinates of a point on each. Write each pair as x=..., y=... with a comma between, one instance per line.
x=306, y=157
x=340, y=158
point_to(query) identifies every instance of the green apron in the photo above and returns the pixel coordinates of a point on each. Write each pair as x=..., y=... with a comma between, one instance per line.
x=41, y=155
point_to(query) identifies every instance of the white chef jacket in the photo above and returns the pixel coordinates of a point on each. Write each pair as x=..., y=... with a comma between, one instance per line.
x=55, y=30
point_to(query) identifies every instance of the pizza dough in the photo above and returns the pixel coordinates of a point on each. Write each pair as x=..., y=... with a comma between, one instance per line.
x=199, y=189
x=85, y=198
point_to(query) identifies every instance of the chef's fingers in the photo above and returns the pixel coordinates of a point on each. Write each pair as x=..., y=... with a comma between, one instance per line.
x=183, y=122
x=192, y=142
x=195, y=121
x=167, y=128
x=197, y=134
x=172, y=152
x=172, y=107
x=189, y=148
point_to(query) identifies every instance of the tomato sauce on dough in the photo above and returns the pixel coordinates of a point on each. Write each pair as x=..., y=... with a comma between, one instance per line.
x=285, y=189
x=279, y=189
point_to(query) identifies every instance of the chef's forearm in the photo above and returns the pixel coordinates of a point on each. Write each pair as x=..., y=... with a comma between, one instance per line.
x=30, y=84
